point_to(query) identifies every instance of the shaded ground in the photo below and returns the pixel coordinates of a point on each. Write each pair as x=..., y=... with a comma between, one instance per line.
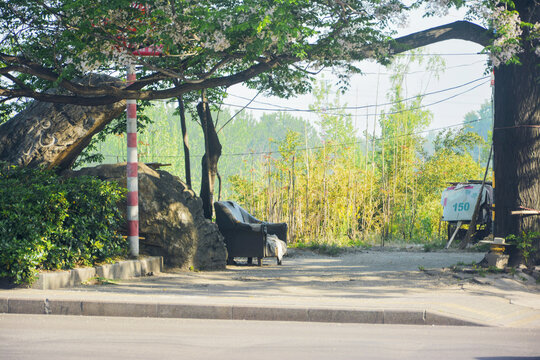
x=354, y=274
x=379, y=281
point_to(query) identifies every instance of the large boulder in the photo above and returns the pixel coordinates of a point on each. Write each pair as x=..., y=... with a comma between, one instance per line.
x=171, y=219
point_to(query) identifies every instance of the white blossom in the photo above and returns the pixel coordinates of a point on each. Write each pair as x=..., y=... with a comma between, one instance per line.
x=507, y=26
x=438, y=7
x=218, y=42
x=391, y=10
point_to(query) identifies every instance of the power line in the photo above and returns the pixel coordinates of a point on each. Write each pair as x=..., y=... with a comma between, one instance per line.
x=413, y=72
x=239, y=111
x=437, y=102
x=324, y=111
x=452, y=54
x=281, y=108
x=310, y=148
x=358, y=142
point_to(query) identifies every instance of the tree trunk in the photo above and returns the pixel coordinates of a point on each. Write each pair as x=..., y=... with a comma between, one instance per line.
x=53, y=135
x=210, y=158
x=516, y=141
x=187, y=163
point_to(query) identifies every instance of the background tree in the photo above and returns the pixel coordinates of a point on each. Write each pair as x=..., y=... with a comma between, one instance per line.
x=481, y=123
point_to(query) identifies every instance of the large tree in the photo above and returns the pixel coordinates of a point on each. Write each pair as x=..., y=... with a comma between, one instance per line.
x=203, y=44
x=516, y=130
x=49, y=44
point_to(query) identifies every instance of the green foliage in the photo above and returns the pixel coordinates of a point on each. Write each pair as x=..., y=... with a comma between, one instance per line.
x=270, y=45
x=47, y=222
x=434, y=246
x=98, y=280
x=322, y=248
x=525, y=243
x=10, y=108
x=339, y=193
x=65, y=40
x=243, y=140
x=333, y=188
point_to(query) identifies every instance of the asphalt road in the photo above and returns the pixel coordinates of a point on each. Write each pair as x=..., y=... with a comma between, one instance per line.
x=74, y=337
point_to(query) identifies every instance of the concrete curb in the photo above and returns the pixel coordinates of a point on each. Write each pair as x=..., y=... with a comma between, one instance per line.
x=226, y=312
x=120, y=270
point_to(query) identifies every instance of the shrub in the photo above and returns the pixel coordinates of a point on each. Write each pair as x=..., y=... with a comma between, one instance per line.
x=48, y=222
x=525, y=244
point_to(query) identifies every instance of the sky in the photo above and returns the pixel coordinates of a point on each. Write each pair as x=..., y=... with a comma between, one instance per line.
x=463, y=65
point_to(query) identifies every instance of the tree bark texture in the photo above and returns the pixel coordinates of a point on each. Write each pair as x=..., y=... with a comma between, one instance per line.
x=53, y=135
x=210, y=158
x=187, y=162
x=516, y=140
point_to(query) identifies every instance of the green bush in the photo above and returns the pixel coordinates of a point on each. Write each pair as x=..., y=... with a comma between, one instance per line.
x=525, y=244
x=49, y=222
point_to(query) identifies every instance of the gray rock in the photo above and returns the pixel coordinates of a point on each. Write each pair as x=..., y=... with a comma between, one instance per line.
x=497, y=260
x=171, y=218
x=520, y=275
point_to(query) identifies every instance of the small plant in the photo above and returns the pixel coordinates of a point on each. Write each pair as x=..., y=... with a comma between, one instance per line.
x=482, y=272
x=358, y=243
x=481, y=247
x=421, y=268
x=433, y=246
x=321, y=248
x=99, y=280
x=494, y=270
x=328, y=249
x=525, y=243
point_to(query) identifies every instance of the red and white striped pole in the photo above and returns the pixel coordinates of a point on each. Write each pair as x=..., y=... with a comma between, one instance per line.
x=132, y=170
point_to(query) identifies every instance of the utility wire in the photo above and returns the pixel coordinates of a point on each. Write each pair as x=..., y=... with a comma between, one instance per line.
x=369, y=106
x=314, y=147
x=280, y=108
x=239, y=111
x=328, y=70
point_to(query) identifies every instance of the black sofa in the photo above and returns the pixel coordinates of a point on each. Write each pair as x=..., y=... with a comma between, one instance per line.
x=245, y=235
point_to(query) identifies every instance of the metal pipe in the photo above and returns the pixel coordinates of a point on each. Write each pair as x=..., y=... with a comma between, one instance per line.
x=132, y=170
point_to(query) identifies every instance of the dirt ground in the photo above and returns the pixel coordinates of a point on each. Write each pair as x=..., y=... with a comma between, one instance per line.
x=368, y=277
x=388, y=267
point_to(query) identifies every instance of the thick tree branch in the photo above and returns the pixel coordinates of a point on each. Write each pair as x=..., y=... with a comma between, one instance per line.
x=459, y=30
x=102, y=95
x=28, y=67
x=132, y=92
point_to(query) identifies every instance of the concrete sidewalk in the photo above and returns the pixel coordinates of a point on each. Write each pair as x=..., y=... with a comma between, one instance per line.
x=360, y=287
